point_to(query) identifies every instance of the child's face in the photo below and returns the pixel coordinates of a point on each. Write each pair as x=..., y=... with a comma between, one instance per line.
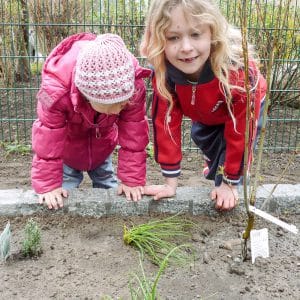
x=187, y=44
x=109, y=109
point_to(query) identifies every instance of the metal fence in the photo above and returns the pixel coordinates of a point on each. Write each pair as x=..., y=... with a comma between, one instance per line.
x=29, y=29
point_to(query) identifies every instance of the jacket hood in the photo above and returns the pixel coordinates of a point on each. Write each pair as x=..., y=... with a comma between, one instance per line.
x=62, y=58
x=57, y=73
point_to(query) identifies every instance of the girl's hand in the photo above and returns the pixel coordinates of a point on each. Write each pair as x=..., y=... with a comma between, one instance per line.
x=225, y=196
x=132, y=193
x=53, y=199
x=162, y=191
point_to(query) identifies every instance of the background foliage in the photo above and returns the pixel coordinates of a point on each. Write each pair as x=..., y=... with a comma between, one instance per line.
x=29, y=29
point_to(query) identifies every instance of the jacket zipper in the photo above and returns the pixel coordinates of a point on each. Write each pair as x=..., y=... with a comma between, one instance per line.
x=90, y=151
x=98, y=135
x=194, y=88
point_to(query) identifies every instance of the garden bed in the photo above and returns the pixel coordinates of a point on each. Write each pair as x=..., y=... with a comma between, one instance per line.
x=85, y=258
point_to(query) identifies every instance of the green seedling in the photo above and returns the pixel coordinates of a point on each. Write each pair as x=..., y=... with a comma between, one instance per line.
x=147, y=289
x=32, y=242
x=150, y=151
x=36, y=68
x=157, y=239
x=16, y=148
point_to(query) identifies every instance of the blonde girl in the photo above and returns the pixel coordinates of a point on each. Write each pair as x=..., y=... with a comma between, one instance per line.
x=199, y=73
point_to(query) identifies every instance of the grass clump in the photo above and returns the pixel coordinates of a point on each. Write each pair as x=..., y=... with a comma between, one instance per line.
x=146, y=288
x=150, y=150
x=15, y=148
x=157, y=238
x=32, y=242
x=36, y=68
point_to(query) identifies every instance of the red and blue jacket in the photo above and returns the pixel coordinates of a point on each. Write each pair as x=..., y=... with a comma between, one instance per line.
x=204, y=102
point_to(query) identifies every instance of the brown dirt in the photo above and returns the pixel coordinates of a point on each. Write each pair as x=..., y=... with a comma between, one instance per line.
x=85, y=258
x=15, y=170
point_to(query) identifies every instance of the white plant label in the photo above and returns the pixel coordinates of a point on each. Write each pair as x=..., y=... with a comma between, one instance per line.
x=263, y=214
x=259, y=243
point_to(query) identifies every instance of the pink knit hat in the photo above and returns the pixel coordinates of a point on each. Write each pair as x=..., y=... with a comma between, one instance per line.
x=104, y=71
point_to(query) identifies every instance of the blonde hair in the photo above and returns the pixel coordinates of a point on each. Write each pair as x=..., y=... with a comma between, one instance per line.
x=226, y=46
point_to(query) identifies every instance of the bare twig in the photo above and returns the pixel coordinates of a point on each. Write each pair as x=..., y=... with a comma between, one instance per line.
x=291, y=159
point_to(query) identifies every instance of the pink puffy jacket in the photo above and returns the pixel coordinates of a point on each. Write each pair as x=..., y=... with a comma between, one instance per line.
x=69, y=131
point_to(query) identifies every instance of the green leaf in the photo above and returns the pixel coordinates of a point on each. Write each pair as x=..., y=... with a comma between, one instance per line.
x=5, y=242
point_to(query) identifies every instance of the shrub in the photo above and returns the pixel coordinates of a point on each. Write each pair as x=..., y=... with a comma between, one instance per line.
x=32, y=242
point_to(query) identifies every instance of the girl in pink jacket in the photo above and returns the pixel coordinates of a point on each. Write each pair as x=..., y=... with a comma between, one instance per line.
x=92, y=98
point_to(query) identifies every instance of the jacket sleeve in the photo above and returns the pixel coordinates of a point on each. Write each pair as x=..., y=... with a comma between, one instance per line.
x=235, y=141
x=48, y=138
x=166, y=134
x=235, y=134
x=133, y=135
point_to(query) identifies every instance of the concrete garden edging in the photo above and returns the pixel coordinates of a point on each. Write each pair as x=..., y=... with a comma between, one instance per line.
x=190, y=200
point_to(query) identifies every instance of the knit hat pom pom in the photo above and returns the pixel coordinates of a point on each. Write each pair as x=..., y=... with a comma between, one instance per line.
x=104, y=71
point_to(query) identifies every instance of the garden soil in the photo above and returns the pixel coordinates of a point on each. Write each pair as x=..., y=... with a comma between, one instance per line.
x=86, y=258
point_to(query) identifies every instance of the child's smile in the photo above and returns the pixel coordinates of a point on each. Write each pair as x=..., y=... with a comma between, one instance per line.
x=189, y=60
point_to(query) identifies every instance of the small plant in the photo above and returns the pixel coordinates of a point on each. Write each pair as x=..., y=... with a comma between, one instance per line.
x=150, y=151
x=146, y=289
x=36, y=68
x=16, y=148
x=5, y=237
x=32, y=242
x=157, y=239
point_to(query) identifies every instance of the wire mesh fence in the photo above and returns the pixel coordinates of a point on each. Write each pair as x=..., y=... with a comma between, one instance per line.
x=29, y=29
